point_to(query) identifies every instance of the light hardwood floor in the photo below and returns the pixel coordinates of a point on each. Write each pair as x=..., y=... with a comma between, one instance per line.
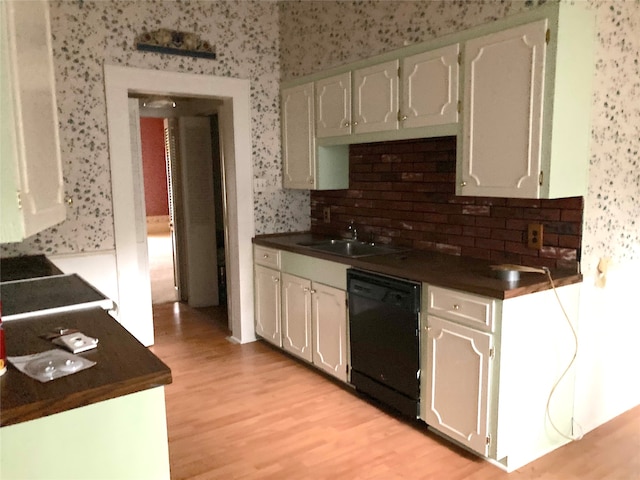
x=250, y=412
x=160, y=250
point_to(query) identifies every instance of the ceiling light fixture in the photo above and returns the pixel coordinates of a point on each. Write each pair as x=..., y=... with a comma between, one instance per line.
x=158, y=102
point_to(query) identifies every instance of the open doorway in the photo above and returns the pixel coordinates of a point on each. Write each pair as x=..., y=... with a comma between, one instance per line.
x=162, y=265
x=184, y=192
x=134, y=292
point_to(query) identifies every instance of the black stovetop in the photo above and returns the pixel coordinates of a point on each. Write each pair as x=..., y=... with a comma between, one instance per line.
x=30, y=266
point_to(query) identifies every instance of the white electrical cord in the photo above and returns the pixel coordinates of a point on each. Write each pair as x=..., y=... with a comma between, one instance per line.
x=566, y=370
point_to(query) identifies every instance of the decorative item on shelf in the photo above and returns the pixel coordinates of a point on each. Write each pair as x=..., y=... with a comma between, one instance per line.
x=174, y=42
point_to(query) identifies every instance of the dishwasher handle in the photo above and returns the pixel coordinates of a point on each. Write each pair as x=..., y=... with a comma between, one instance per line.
x=400, y=294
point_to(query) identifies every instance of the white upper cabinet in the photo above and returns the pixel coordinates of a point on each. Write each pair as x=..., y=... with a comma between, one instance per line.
x=375, y=98
x=503, y=88
x=430, y=88
x=333, y=106
x=298, y=137
x=31, y=182
x=386, y=98
x=526, y=108
x=304, y=167
x=515, y=92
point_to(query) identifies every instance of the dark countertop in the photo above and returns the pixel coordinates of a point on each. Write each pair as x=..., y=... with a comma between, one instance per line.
x=30, y=266
x=460, y=273
x=123, y=366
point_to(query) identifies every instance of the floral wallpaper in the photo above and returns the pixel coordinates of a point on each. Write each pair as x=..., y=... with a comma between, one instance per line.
x=341, y=32
x=88, y=34
x=267, y=42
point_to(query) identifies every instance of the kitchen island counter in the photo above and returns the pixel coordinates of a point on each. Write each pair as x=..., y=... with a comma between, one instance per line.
x=449, y=271
x=123, y=366
x=108, y=421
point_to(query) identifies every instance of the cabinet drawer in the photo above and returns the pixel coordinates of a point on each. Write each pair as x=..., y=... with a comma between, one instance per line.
x=472, y=310
x=266, y=256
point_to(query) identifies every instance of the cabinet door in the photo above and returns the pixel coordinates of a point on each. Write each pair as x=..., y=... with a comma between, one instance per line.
x=298, y=137
x=375, y=100
x=333, y=106
x=31, y=163
x=455, y=386
x=502, y=113
x=296, y=316
x=267, y=304
x=329, y=320
x=430, y=88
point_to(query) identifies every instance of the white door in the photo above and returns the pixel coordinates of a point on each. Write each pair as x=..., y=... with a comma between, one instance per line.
x=199, y=218
x=333, y=106
x=430, y=88
x=298, y=137
x=455, y=394
x=296, y=316
x=175, y=196
x=142, y=284
x=267, y=304
x=375, y=98
x=329, y=320
x=502, y=113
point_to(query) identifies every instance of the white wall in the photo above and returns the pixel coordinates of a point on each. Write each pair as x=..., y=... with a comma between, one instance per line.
x=608, y=356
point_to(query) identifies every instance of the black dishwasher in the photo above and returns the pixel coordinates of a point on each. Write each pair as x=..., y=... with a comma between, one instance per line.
x=384, y=339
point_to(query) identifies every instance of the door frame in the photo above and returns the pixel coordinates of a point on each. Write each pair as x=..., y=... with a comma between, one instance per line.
x=235, y=131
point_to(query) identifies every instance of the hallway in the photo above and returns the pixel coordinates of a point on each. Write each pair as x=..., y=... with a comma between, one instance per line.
x=161, y=267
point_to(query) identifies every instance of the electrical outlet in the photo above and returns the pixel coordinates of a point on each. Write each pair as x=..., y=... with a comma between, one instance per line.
x=326, y=214
x=534, y=236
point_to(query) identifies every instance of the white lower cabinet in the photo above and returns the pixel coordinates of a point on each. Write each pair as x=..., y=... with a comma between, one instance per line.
x=303, y=316
x=489, y=367
x=455, y=396
x=267, y=304
x=296, y=316
x=329, y=322
x=314, y=323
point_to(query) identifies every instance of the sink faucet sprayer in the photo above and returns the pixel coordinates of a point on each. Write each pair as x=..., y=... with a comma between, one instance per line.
x=351, y=228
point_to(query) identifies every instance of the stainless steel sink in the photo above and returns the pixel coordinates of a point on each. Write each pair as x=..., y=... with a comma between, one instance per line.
x=350, y=248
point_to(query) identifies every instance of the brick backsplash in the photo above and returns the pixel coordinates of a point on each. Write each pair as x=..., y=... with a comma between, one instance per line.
x=403, y=193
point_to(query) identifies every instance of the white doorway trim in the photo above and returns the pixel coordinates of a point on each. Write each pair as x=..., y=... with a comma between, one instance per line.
x=235, y=128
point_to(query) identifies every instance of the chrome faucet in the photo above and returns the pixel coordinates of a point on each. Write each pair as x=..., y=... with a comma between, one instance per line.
x=351, y=229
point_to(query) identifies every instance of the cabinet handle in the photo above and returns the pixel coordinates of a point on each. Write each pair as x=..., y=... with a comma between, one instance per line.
x=266, y=255
x=305, y=289
x=347, y=124
x=355, y=124
x=403, y=118
x=312, y=291
x=463, y=184
x=311, y=181
x=275, y=279
x=456, y=307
